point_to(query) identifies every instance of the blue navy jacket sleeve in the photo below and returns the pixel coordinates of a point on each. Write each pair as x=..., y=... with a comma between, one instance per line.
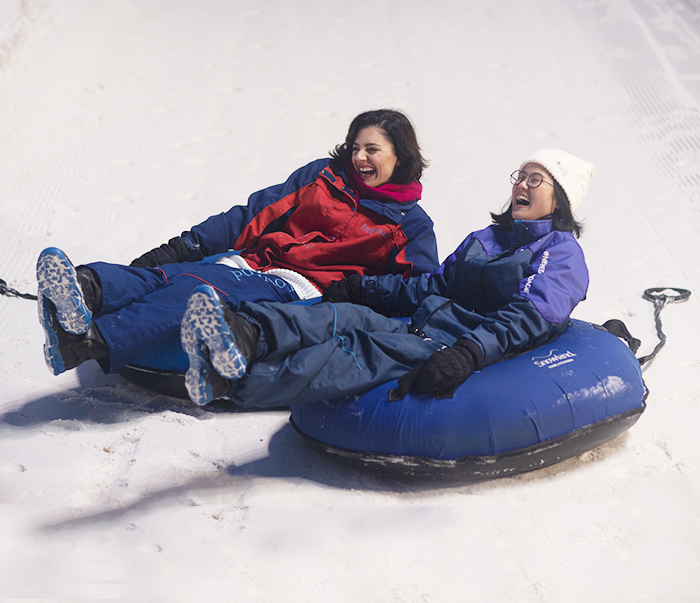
x=548, y=292
x=557, y=280
x=219, y=233
x=391, y=295
x=505, y=302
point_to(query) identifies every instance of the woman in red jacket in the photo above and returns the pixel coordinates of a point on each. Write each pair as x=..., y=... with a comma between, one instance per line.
x=356, y=212
x=506, y=288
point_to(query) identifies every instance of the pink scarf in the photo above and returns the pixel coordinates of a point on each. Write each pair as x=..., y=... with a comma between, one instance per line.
x=401, y=193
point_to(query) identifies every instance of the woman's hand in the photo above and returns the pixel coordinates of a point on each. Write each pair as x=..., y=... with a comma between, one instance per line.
x=440, y=374
x=172, y=252
x=348, y=289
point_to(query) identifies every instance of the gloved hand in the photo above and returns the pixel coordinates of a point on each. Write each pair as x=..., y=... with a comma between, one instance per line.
x=171, y=252
x=348, y=289
x=442, y=372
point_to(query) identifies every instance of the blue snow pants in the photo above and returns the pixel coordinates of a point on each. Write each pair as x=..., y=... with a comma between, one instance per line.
x=143, y=307
x=323, y=352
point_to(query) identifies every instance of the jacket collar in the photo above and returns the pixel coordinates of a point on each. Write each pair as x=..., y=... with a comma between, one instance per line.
x=389, y=209
x=535, y=228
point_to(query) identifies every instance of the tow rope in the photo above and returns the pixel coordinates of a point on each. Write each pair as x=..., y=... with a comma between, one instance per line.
x=5, y=290
x=661, y=296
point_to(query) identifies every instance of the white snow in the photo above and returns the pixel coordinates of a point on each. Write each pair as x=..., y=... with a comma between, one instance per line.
x=124, y=122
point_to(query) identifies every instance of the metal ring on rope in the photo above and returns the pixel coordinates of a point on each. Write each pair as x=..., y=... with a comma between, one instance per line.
x=662, y=296
x=669, y=295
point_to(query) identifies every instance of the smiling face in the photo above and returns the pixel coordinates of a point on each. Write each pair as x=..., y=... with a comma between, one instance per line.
x=373, y=156
x=533, y=203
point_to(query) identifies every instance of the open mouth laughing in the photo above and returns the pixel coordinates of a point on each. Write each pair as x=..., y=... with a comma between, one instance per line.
x=366, y=172
x=521, y=201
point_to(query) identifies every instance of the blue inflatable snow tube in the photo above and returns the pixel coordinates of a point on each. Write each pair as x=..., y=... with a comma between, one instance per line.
x=538, y=408
x=535, y=409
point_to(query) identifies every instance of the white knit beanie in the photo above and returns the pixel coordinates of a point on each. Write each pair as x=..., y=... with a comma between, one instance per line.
x=572, y=174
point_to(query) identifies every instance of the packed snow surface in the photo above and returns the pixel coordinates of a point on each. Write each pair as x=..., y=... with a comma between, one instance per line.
x=124, y=122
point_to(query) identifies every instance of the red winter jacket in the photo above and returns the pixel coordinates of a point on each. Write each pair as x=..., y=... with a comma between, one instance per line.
x=315, y=224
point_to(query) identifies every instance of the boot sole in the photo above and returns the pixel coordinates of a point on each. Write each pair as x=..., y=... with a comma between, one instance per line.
x=204, y=325
x=58, y=282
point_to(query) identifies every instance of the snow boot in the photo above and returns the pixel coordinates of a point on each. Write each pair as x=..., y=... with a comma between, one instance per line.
x=64, y=351
x=219, y=344
x=75, y=295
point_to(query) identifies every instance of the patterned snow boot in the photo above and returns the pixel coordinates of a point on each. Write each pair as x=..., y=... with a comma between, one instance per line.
x=219, y=344
x=67, y=299
x=74, y=295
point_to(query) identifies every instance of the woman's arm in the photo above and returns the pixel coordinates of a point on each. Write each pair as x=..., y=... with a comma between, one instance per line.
x=556, y=281
x=220, y=232
x=394, y=296
x=548, y=291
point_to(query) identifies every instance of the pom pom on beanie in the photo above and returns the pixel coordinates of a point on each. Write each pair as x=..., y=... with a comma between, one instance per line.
x=573, y=174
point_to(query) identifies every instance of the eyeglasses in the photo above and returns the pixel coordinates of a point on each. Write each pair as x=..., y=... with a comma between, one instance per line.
x=533, y=180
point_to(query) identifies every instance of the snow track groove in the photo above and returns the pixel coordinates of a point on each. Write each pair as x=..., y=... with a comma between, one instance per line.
x=653, y=49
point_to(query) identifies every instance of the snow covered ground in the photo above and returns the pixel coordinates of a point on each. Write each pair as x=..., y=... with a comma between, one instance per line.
x=124, y=122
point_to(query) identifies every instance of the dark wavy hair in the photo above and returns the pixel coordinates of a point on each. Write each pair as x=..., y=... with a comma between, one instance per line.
x=562, y=217
x=399, y=130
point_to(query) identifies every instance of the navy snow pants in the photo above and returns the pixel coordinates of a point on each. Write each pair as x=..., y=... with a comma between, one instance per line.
x=143, y=307
x=323, y=352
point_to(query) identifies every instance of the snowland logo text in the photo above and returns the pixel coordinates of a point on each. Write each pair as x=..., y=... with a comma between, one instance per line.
x=552, y=359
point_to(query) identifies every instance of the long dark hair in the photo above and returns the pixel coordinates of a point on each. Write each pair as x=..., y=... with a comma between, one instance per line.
x=399, y=130
x=562, y=217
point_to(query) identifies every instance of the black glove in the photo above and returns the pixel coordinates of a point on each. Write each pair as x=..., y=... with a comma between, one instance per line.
x=175, y=250
x=348, y=289
x=442, y=372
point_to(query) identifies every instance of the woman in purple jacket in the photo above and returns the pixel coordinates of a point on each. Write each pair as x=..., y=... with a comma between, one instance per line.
x=506, y=288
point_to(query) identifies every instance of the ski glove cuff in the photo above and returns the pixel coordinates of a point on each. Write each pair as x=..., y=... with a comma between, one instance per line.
x=174, y=251
x=348, y=289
